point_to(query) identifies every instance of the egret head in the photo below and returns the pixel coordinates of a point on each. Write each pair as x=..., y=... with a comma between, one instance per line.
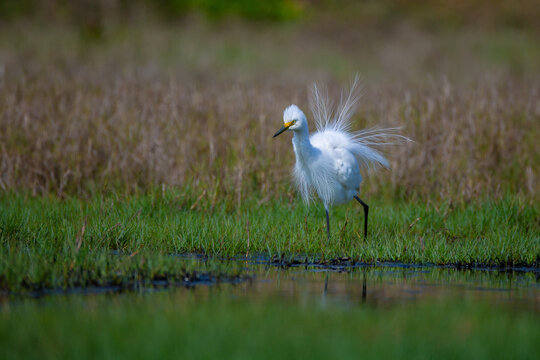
x=293, y=119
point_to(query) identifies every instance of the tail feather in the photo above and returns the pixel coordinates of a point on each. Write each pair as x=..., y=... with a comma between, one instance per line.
x=362, y=142
x=367, y=157
x=323, y=109
x=347, y=105
x=377, y=136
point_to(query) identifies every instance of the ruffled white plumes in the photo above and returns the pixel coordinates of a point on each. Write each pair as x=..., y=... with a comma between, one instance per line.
x=323, y=112
x=358, y=142
x=328, y=162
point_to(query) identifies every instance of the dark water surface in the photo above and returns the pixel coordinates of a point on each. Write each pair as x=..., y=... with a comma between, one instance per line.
x=344, y=284
x=387, y=284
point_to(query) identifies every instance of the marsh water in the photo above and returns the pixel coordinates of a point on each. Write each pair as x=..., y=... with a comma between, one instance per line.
x=385, y=284
x=343, y=284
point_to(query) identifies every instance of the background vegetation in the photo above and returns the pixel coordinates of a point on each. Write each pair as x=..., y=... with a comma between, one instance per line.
x=192, y=104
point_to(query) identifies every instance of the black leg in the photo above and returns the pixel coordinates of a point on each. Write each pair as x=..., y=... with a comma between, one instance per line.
x=327, y=225
x=366, y=211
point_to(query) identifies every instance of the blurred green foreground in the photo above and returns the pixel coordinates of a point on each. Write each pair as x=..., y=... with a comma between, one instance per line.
x=206, y=324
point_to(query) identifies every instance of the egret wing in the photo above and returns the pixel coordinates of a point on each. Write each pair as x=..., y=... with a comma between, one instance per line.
x=335, y=145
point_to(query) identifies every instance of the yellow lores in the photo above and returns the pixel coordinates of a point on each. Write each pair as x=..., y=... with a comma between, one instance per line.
x=285, y=127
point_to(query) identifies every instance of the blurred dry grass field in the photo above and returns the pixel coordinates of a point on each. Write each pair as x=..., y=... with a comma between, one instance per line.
x=193, y=105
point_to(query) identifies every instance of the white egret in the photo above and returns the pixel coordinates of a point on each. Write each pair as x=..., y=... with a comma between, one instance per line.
x=328, y=162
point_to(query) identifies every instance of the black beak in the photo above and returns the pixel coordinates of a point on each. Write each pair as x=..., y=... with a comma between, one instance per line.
x=283, y=128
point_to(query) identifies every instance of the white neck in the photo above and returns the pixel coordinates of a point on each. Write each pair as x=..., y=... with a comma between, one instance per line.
x=302, y=146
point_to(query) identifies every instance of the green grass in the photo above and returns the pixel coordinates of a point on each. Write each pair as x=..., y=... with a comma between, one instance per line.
x=205, y=325
x=48, y=242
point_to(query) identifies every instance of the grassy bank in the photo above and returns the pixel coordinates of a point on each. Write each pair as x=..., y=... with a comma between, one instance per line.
x=48, y=242
x=203, y=325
